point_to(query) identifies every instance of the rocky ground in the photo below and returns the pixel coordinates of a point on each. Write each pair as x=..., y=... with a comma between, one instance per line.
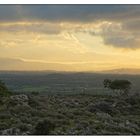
x=69, y=115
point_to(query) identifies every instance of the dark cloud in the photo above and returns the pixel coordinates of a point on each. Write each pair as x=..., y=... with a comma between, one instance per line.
x=133, y=25
x=77, y=13
x=124, y=35
x=116, y=35
x=121, y=42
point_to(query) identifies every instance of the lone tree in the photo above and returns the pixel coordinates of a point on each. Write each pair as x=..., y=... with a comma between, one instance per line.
x=3, y=89
x=123, y=86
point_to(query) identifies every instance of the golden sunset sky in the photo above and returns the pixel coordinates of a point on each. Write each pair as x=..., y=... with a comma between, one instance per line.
x=69, y=37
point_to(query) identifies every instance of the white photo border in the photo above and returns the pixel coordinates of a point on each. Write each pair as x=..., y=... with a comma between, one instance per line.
x=69, y=1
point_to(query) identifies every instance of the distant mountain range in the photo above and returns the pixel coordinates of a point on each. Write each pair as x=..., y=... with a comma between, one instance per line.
x=122, y=71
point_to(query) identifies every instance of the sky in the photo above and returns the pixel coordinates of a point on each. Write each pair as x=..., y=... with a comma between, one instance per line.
x=69, y=37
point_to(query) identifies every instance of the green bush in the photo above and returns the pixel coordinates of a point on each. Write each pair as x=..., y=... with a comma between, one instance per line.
x=24, y=127
x=44, y=127
x=35, y=93
x=3, y=89
x=4, y=125
x=33, y=102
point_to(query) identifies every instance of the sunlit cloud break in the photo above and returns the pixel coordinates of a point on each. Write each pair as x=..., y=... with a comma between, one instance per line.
x=107, y=36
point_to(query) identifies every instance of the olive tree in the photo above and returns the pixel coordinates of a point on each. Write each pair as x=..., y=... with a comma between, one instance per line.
x=123, y=86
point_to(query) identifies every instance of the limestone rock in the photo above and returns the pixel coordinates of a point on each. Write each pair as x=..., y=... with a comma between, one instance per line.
x=11, y=131
x=19, y=99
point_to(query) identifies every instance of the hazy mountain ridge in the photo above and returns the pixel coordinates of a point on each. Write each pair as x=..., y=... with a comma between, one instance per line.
x=122, y=71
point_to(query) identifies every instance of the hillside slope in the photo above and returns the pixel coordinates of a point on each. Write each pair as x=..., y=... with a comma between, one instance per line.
x=69, y=115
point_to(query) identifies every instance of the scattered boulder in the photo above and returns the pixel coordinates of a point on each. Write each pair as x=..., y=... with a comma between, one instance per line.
x=21, y=99
x=121, y=124
x=11, y=131
x=71, y=103
x=131, y=125
x=103, y=116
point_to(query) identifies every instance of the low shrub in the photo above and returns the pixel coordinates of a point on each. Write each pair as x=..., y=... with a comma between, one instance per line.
x=44, y=127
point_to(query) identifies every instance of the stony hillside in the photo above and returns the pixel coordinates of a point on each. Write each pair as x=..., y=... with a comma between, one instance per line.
x=69, y=115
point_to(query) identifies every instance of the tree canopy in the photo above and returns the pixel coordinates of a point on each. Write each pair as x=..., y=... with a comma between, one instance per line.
x=122, y=85
x=3, y=89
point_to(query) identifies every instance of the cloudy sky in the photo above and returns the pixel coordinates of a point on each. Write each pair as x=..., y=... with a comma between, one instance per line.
x=69, y=37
